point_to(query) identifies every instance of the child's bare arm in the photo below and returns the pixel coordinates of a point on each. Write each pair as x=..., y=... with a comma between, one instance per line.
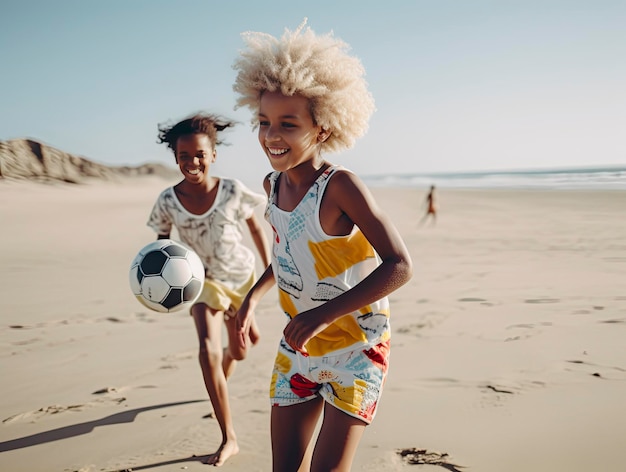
x=262, y=285
x=246, y=310
x=260, y=239
x=356, y=202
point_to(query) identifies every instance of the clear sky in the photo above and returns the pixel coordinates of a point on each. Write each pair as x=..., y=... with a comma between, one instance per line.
x=459, y=84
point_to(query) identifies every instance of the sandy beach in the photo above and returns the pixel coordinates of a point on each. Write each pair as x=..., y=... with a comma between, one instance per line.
x=508, y=346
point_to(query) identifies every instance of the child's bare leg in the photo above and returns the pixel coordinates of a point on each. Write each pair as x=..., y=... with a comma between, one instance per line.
x=337, y=442
x=255, y=334
x=292, y=428
x=208, y=326
x=228, y=364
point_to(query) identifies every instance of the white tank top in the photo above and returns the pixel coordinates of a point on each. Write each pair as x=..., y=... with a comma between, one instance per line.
x=312, y=267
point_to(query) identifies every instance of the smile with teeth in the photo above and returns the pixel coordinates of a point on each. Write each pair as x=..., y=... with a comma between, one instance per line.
x=193, y=171
x=277, y=151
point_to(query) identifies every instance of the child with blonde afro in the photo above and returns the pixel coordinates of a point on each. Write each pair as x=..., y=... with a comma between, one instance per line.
x=335, y=257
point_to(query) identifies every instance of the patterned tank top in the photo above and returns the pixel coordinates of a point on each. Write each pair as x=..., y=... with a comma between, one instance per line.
x=312, y=267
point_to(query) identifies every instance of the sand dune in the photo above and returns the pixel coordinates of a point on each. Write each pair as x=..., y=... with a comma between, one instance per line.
x=508, y=344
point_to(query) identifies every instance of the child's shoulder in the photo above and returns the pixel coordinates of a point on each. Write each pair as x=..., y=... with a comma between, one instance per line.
x=233, y=184
x=342, y=176
x=344, y=183
x=231, y=181
x=167, y=192
x=235, y=189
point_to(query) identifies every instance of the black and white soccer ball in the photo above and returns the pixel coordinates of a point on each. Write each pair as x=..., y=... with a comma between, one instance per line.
x=166, y=276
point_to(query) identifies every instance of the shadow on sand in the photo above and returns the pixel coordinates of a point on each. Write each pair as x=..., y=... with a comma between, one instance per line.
x=182, y=460
x=83, y=428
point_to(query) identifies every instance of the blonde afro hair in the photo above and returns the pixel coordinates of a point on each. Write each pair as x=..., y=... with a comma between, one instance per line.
x=317, y=67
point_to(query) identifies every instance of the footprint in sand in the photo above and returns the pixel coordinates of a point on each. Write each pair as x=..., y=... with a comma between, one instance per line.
x=530, y=330
x=130, y=318
x=412, y=328
x=26, y=342
x=145, y=317
x=599, y=371
x=495, y=392
x=417, y=456
x=542, y=300
x=481, y=301
x=171, y=360
x=105, y=390
x=428, y=321
x=442, y=381
x=56, y=409
x=179, y=356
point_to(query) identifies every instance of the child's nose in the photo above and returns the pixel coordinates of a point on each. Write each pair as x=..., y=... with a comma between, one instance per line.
x=272, y=134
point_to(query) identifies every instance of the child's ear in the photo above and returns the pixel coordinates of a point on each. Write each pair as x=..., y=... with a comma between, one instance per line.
x=323, y=135
x=214, y=155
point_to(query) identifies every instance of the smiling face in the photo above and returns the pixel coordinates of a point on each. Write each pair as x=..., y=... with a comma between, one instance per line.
x=194, y=155
x=287, y=132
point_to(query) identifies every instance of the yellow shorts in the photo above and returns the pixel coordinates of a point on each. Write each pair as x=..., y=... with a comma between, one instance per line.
x=220, y=297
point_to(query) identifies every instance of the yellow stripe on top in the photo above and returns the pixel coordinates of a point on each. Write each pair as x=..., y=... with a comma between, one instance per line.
x=343, y=333
x=286, y=304
x=348, y=251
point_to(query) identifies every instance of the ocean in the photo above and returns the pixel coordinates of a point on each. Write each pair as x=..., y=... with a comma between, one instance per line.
x=592, y=178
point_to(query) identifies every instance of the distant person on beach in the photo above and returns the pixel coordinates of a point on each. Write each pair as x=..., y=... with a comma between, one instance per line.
x=431, y=208
x=208, y=212
x=336, y=256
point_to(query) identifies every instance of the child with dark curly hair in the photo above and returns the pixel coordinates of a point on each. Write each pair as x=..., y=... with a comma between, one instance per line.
x=207, y=212
x=336, y=256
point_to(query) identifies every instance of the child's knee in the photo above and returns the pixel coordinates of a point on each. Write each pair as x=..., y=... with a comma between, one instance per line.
x=208, y=351
x=238, y=354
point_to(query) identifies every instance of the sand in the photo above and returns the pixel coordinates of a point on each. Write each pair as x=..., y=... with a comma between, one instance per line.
x=508, y=346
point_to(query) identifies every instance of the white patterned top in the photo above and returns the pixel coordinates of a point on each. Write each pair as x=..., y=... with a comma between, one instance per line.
x=216, y=235
x=312, y=267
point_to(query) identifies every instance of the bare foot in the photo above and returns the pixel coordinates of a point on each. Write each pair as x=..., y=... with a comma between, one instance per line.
x=227, y=449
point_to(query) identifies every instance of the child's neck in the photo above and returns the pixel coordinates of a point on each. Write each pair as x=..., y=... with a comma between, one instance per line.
x=197, y=198
x=295, y=183
x=305, y=174
x=202, y=188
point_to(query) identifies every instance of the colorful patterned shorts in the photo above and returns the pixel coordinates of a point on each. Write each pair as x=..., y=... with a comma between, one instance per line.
x=351, y=381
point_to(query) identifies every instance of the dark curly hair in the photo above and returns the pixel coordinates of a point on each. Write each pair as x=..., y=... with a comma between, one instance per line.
x=199, y=123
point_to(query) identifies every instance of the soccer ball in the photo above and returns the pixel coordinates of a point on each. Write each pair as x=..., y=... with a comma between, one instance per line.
x=166, y=276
